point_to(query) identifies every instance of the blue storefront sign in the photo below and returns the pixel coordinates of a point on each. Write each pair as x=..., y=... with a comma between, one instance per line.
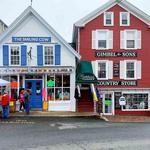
x=31, y=39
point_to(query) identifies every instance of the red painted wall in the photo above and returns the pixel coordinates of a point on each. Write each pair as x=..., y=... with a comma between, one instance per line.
x=87, y=53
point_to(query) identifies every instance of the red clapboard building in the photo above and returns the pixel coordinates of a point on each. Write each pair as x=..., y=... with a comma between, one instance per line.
x=115, y=40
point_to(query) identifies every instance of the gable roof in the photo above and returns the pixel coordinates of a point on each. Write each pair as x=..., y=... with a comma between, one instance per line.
x=122, y=3
x=3, y=23
x=29, y=10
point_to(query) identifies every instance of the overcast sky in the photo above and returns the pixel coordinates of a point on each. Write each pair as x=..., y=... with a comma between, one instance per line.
x=60, y=14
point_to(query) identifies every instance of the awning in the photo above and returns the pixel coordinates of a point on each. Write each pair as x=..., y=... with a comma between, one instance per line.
x=84, y=73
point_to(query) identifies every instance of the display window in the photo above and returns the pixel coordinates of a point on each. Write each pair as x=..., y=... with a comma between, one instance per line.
x=137, y=101
x=58, y=87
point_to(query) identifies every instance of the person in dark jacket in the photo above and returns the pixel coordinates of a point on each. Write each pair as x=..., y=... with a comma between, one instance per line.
x=27, y=101
x=5, y=105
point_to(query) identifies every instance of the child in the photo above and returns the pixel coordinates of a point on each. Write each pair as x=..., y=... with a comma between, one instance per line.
x=22, y=101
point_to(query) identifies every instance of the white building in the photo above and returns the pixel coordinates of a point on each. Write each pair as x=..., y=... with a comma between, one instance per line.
x=36, y=57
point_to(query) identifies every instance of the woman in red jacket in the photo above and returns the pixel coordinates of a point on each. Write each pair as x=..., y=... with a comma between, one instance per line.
x=5, y=105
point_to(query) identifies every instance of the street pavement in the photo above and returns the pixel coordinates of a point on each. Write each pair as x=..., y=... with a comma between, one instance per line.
x=79, y=133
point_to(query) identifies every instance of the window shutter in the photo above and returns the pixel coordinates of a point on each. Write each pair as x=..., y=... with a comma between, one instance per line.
x=110, y=39
x=94, y=45
x=110, y=69
x=23, y=55
x=5, y=55
x=122, y=69
x=138, y=69
x=40, y=55
x=122, y=40
x=57, y=54
x=138, y=40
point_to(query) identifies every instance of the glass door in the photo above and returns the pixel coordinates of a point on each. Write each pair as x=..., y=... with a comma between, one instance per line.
x=108, y=104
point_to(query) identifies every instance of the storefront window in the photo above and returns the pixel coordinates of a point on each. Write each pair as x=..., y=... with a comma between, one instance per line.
x=136, y=101
x=58, y=87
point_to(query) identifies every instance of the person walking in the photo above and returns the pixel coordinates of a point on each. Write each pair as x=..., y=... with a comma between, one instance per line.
x=5, y=105
x=22, y=101
x=27, y=101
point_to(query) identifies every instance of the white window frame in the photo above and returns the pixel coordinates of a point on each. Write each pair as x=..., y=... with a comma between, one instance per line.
x=128, y=19
x=135, y=69
x=124, y=40
x=137, y=92
x=107, y=69
x=126, y=32
x=59, y=87
x=112, y=18
x=10, y=55
x=44, y=55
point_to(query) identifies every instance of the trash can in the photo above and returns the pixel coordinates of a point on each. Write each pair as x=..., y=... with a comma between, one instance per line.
x=12, y=105
x=45, y=105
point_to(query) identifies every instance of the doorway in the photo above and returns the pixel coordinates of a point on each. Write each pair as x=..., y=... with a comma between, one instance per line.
x=108, y=104
x=35, y=86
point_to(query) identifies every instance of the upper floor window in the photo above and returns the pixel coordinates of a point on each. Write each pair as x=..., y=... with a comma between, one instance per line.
x=14, y=55
x=130, y=69
x=103, y=69
x=48, y=55
x=130, y=39
x=124, y=19
x=108, y=19
x=102, y=39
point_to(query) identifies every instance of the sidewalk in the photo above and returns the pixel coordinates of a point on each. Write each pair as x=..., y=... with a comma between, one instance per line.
x=125, y=119
x=53, y=114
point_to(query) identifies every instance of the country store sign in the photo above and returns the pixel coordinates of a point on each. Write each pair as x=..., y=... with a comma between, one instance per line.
x=116, y=54
x=117, y=83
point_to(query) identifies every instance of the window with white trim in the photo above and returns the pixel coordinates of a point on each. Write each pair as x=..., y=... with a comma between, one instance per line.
x=124, y=18
x=136, y=101
x=104, y=69
x=48, y=55
x=130, y=39
x=108, y=19
x=102, y=39
x=14, y=55
x=58, y=87
x=130, y=69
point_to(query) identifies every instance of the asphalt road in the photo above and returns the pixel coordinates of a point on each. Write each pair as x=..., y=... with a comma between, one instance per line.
x=72, y=134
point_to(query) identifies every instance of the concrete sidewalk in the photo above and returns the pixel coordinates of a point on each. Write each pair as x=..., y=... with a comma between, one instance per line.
x=54, y=114
x=124, y=119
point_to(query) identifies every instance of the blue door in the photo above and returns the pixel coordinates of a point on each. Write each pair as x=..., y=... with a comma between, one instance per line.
x=36, y=92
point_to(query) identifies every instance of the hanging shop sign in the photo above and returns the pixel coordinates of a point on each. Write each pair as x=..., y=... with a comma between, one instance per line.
x=116, y=54
x=32, y=39
x=122, y=101
x=33, y=70
x=117, y=83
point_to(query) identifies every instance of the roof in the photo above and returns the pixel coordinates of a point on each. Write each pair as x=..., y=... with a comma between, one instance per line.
x=29, y=10
x=122, y=3
x=3, y=22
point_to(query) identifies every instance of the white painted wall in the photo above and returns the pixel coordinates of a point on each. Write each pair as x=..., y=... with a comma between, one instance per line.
x=31, y=27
